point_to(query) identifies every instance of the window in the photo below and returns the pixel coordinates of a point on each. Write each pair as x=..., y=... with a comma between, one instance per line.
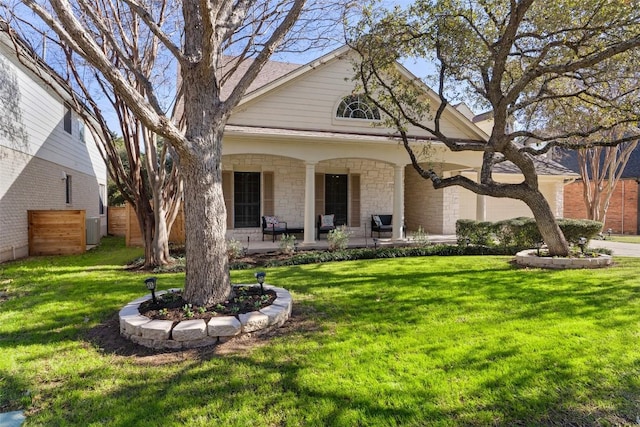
x=357, y=107
x=101, y=198
x=81, y=129
x=67, y=119
x=246, y=199
x=68, y=189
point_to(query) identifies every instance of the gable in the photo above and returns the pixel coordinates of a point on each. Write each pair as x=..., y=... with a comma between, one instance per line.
x=308, y=100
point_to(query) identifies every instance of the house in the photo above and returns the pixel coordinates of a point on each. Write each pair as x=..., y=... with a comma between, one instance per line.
x=48, y=160
x=623, y=214
x=302, y=143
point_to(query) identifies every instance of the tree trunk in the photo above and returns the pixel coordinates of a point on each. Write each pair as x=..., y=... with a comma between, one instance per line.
x=207, y=272
x=160, y=234
x=547, y=225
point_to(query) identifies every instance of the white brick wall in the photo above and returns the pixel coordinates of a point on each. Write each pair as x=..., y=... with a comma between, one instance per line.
x=36, y=184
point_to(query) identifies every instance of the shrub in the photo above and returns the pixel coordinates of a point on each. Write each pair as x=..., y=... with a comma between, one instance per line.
x=474, y=232
x=338, y=238
x=419, y=237
x=234, y=249
x=520, y=232
x=287, y=244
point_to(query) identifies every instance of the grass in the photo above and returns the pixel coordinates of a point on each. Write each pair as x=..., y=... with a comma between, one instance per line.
x=441, y=341
x=624, y=239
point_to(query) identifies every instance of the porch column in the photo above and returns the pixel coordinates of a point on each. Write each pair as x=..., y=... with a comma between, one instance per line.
x=398, y=201
x=481, y=204
x=309, y=203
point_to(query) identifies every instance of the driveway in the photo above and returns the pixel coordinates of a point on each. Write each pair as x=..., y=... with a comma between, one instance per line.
x=618, y=248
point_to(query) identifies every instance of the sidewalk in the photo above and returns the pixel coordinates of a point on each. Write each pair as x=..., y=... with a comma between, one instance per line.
x=618, y=248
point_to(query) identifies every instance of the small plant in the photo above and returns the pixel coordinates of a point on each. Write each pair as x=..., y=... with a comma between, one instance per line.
x=234, y=249
x=188, y=312
x=202, y=309
x=288, y=244
x=338, y=238
x=163, y=312
x=420, y=237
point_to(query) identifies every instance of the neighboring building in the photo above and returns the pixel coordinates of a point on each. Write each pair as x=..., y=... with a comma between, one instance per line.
x=623, y=214
x=303, y=143
x=47, y=159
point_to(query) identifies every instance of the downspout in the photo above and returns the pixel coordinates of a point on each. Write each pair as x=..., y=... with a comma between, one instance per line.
x=622, y=209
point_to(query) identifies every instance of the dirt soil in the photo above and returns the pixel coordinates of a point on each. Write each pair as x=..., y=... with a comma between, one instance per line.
x=107, y=338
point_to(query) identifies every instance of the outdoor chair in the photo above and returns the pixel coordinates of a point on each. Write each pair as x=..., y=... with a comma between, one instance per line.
x=271, y=225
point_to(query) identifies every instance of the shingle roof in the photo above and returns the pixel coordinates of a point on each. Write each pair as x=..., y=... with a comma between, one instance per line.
x=543, y=166
x=272, y=70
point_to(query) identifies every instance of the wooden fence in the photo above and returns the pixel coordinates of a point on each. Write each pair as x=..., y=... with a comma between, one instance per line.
x=117, y=223
x=126, y=222
x=57, y=232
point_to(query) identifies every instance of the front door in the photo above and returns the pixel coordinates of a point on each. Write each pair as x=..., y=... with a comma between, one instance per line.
x=336, y=197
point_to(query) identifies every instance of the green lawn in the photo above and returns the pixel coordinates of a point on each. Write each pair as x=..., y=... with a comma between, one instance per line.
x=624, y=239
x=441, y=341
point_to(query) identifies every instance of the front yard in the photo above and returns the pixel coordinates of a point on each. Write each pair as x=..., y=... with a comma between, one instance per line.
x=441, y=341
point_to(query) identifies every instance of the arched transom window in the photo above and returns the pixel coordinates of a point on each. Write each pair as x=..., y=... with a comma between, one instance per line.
x=357, y=107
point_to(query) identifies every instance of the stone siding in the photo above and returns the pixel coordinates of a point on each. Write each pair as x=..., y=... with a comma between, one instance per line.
x=376, y=187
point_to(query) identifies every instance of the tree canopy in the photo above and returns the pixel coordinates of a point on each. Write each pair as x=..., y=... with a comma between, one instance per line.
x=517, y=59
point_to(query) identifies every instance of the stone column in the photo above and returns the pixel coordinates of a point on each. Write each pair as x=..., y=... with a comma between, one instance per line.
x=398, y=201
x=481, y=204
x=309, y=203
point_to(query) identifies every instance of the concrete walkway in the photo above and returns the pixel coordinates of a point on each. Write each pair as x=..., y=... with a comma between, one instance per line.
x=618, y=248
x=11, y=419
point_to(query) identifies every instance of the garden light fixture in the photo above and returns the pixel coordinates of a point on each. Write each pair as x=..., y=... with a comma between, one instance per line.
x=150, y=283
x=609, y=232
x=260, y=275
x=582, y=243
x=539, y=246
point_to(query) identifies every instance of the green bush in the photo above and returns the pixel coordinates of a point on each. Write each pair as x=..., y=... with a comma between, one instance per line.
x=520, y=232
x=338, y=238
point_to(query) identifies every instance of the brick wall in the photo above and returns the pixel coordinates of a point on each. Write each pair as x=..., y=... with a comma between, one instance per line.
x=30, y=183
x=622, y=215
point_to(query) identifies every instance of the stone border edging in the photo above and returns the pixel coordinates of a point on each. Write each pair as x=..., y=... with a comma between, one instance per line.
x=529, y=258
x=163, y=334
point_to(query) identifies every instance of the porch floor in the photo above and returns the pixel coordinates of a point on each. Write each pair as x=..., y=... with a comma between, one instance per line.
x=258, y=246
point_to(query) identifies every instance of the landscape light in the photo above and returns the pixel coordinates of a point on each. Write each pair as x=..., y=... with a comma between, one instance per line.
x=150, y=283
x=582, y=243
x=260, y=275
x=539, y=246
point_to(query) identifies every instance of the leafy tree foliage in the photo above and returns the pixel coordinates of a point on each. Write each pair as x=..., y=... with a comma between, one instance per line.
x=519, y=59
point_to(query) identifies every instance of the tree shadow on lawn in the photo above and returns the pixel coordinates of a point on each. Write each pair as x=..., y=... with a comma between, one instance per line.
x=202, y=389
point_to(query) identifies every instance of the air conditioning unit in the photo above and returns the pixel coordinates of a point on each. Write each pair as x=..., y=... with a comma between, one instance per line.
x=93, y=231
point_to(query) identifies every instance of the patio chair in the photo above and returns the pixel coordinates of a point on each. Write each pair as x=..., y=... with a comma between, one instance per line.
x=326, y=223
x=273, y=226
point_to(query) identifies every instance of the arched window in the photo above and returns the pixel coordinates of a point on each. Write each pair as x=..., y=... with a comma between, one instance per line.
x=357, y=107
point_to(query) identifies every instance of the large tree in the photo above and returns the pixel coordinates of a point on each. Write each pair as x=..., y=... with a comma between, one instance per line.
x=514, y=58
x=215, y=38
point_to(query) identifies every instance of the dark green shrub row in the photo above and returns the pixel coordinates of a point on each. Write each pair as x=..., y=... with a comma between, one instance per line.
x=314, y=257
x=520, y=232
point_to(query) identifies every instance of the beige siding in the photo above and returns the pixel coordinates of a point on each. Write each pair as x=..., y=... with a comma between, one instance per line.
x=310, y=101
x=36, y=153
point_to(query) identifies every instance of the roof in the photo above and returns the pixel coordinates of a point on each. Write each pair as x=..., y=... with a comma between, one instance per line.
x=272, y=70
x=543, y=165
